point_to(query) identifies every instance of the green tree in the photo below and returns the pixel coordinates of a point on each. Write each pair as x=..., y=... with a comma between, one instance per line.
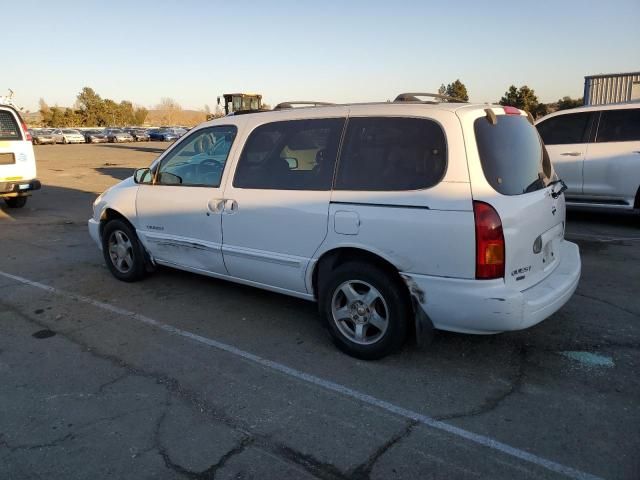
x=525, y=99
x=457, y=90
x=140, y=115
x=442, y=90
x=91, y=107
x=566, y=103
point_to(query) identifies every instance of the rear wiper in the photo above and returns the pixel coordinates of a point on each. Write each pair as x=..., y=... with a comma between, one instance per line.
x=555, y=194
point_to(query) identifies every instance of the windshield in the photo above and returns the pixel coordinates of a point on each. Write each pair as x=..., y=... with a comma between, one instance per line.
x=513, y=157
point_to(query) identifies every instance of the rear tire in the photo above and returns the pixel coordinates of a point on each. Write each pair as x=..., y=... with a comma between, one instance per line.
x=16, y=202
x=123, y=252
x=365, y=310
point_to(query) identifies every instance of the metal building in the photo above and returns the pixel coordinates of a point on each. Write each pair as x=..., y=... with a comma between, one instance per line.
x=612, y=88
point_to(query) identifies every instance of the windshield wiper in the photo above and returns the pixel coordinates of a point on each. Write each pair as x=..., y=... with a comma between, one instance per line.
x=555, y=194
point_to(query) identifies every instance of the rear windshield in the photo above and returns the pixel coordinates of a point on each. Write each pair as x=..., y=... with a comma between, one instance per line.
x=8, y=126
x=513, y=158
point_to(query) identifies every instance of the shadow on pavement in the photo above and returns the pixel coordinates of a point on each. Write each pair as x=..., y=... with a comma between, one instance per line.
x=119, y=173
x=135, y=147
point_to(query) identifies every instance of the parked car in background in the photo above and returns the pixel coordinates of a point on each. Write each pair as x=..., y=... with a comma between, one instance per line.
x=95, y=136
x=163, y=135
x=596, y=151
x=17, y=160
x=117, y=135
x=138, y=134
x=409, y=216
x=67, y=135
x=41, y=137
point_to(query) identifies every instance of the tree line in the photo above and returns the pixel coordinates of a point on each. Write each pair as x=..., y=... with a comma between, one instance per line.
x=91, y=110
x=523, y=98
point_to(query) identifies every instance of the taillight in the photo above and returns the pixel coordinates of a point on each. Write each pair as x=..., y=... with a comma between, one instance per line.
x=489, y=242
x=511, y=110
x=27, y=135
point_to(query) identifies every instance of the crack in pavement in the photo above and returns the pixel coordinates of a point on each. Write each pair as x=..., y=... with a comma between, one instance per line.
x=630, y=312
x=53, y=443
x=492, y=402
x=363, y=471
x=172, y=386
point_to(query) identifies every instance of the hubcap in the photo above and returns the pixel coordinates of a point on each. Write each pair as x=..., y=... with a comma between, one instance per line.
x=360, y=312
x=121, y=251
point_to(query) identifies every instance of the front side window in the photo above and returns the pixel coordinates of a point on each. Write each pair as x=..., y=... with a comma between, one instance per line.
x=290, y=155
x=385, y=154
x=619, y=126
x=565, y=129
x=199, y=159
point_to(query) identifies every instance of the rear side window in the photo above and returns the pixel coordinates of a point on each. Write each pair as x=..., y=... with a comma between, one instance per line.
x=513, y=158
x=290, y=155
x=385, y=154
x=9, y=129
x=565, y=129
x=619, y=126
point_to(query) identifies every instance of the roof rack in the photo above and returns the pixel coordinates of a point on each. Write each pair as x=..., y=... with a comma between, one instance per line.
x=413, y=97
x=283, y=105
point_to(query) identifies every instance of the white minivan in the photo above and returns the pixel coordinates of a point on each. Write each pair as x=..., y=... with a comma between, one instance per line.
x=596, y=151
x=17, y=160
x=396, y=218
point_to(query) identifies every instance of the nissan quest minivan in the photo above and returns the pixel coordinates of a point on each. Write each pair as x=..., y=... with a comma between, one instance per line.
x=396, y=218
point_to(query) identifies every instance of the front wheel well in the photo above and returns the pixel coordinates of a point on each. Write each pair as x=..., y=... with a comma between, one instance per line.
x=111, y=214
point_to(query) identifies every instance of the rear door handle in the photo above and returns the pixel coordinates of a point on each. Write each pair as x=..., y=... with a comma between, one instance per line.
x=571, y=154
x=230, y=206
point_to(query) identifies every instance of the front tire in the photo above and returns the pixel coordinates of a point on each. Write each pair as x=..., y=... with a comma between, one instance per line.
x=16, y=202
x=123, y=252
x=365, y=310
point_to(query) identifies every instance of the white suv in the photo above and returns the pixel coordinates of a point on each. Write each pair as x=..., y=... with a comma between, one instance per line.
x=596, y=151
x=17, y=161
x=395, y=217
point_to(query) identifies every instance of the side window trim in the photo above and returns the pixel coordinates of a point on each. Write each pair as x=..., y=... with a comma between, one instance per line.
x=183, y=140
x=594, y=126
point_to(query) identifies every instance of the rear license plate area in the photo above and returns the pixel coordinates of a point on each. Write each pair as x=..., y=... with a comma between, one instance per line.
x=7, y=159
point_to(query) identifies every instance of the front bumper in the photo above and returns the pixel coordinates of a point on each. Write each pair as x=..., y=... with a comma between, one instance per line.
x=488, y=306
x=94, y=231
x=17, y=187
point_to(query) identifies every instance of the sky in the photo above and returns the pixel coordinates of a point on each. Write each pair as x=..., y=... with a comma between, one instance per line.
x=323, y=50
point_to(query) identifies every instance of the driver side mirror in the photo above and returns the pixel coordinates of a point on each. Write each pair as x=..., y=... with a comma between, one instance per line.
x=142, y=175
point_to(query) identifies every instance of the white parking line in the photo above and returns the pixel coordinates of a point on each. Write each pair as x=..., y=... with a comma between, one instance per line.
x=320, y=382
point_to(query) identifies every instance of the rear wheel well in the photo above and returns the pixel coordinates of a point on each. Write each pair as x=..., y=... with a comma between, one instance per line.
x=330, y=260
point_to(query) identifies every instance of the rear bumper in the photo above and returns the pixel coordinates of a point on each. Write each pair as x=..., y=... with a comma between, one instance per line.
x=17, y=187
x=488, y=306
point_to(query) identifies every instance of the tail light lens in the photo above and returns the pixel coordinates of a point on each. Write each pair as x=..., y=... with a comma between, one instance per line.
x=25, y=130
x=489, y=242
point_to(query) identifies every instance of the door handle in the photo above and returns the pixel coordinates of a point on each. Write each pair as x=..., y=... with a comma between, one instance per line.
x=216, y=205
x=230, y=206
x=571, y=154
